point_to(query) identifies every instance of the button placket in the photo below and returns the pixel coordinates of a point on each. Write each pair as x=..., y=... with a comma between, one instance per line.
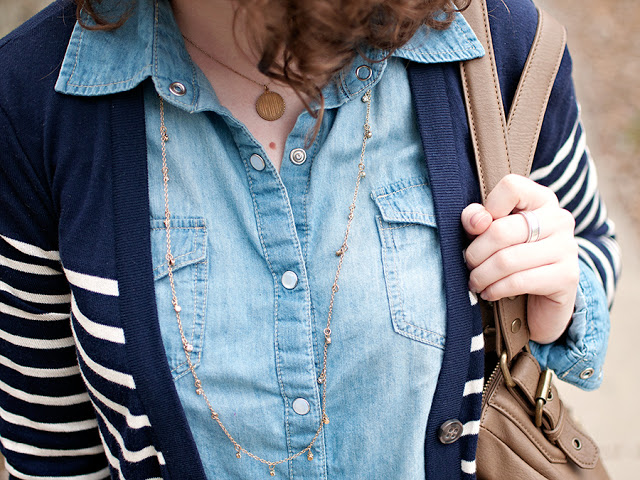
x=296, y=368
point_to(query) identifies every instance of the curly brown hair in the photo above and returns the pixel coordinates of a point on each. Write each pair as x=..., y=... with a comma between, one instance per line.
x=302, y=43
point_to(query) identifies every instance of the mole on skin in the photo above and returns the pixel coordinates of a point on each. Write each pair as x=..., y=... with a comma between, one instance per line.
x=272, y=145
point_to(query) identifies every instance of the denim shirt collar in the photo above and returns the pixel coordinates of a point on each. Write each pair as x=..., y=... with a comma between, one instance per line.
x=149, y=44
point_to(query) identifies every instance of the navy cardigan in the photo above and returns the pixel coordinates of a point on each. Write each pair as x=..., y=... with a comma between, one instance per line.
x=75, y=218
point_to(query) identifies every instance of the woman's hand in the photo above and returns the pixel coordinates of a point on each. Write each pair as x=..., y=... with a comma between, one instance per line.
x=502, y=264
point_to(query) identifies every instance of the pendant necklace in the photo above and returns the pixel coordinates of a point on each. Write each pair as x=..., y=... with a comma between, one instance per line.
x=269, y=105
x=188, y=347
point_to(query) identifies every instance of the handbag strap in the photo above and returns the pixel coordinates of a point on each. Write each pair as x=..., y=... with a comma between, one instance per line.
x=507, y=145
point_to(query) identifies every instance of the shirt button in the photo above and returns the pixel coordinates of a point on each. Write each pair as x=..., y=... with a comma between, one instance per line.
x=289, y=280
x=178, y=89
x=450, y=431
x=257, y=162
x=587, y=373
x=298, y=156
x=301, y=406
x=363, y=72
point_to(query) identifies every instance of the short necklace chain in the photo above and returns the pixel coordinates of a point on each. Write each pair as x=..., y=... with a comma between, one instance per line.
x=270, y=105
x=188, y=348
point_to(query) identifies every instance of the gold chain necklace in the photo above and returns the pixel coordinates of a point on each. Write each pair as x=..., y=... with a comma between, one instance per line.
x=188, y=348
x=270, y=105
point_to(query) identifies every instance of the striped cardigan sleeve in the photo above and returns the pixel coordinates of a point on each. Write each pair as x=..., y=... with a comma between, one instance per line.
x=48, y=428
x=563, y=163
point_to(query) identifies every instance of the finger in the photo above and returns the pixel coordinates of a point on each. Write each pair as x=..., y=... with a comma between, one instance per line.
x=515, y=192
x=475, y=219
x=514, y=229
x=521, y=257
x=557, y=281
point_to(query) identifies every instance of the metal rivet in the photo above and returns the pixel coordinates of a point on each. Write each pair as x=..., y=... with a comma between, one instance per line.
x=577, y=444
x=178, y=89
x=301, y=406
x=257, y=162
x=450, y=431
x=363, y=72
x=298, y=156
x=516, y=325
x=289, y=280
x=587, y=373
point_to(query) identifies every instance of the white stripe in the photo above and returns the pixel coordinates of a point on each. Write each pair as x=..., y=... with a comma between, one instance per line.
x=28, y=267
x=32, y=249
x=101, y=475
x=606, y=266
x=43, y=317
x=129, y=456
x=161, y=459
x=42, y=400
x=98, y=330
x=470, y=467
x=133, y=421
x=589, y=195
x=477, y=343
x=108, y=374
x=36, y=343
x=473, y=298
x=48, y=427
x=471, y=428
x=588, y=218
x=39, y=372
x=473, y=386
x=570, y=169
x=104, y=286
x=573, y=191
x=113, y=461
x=34, y=297
x=540, y=173
x=49, y=452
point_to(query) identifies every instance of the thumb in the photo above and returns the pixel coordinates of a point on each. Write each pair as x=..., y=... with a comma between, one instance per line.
x=476, y=219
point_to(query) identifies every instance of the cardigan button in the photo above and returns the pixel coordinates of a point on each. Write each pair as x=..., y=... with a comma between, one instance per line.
x=450, y=431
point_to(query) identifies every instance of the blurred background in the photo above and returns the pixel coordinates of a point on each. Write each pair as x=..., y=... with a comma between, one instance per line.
x=604, y=37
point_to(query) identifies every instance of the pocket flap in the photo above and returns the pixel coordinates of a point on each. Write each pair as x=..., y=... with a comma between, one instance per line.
x=406, y=201
x=188, y=243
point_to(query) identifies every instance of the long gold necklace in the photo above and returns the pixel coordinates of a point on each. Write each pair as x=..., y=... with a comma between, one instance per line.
x=188, y=348
x=270, y=105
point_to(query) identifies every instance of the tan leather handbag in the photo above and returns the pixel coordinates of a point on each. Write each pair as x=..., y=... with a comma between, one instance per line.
x=525, y=430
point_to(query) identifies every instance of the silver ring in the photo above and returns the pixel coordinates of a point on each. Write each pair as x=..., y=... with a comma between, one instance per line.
x=534, y=226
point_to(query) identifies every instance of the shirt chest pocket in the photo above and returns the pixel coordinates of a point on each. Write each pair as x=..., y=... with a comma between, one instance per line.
x=411, y=260
x=189, y=248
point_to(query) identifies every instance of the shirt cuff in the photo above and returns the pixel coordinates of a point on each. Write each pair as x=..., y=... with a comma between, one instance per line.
x=577, y=357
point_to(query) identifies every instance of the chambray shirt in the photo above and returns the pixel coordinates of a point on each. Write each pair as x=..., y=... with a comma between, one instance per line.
x=256, y=259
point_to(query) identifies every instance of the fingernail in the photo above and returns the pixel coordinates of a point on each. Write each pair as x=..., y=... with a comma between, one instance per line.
x=476, y=218
x=484, y=296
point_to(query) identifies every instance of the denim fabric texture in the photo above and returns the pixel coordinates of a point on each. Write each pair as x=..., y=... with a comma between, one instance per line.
x=236, y=230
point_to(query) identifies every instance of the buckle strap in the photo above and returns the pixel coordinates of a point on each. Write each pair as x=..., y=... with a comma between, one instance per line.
x=559, y=428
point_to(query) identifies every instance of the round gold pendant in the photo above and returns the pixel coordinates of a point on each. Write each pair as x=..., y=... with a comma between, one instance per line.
x=270, y=105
